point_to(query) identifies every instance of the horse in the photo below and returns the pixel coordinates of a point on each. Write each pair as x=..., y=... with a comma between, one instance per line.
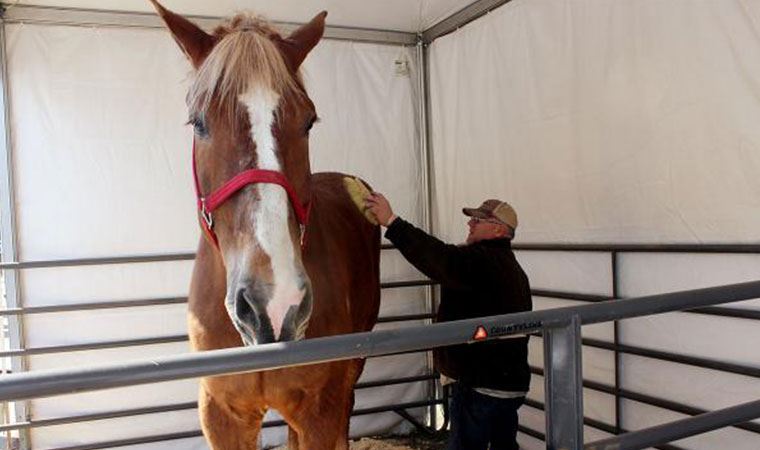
x=284, y=253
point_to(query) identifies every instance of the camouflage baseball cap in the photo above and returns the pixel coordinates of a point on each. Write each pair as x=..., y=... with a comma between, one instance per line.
x=496, y=210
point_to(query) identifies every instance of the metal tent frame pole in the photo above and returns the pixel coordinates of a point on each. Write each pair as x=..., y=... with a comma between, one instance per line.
x=460, y=18
x=425, y=155
x=8, y=233
x=49, y=15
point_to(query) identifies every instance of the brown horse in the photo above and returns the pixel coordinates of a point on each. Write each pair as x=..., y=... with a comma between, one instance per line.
x=254, y=282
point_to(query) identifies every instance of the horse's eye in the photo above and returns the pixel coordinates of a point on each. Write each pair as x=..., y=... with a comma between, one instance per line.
x=310, y=124
x=199, y=124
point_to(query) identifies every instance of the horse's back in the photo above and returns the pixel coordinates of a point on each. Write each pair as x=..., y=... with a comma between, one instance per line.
x=342, y=258
x=335, y=212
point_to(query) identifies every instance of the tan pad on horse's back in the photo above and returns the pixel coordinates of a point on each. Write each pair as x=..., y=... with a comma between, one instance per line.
x=358, y=191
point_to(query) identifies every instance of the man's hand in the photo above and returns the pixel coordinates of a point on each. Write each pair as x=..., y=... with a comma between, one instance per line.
x=378, y=205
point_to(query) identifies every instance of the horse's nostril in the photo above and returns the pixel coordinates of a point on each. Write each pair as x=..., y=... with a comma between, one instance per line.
x=289, y=325
x=250, y=312
x=297, y=318
x=245, y=312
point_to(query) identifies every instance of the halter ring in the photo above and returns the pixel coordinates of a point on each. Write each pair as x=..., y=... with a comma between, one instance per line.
x=206, y=215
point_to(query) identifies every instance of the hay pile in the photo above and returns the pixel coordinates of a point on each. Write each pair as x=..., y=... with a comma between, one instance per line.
x=413, y=441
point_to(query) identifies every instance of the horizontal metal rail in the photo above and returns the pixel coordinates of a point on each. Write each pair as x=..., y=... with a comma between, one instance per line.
x=132, y=304
x=80, y=262
x=542, y=437
x=679, y=429
x=47, y=15
x=620, y=248
x=531, y=432
x=389, y=408
x=591, y=298
x=114, y=304
x=739, y=313
x=277, y=423
x=652, y=401
x=58, y=349
x=75, y=307
x=412, y=283
x=683, y=409
x=394, y=381
x=177, y=407
x=657, y=304
x=116, y=414
x=271, y=356
x=45, y=309
x=405, y=318
x=586, y=420
x=134, y=441
x=104, y=261
x=54, y=349
x=695, y=361
x=736, y=313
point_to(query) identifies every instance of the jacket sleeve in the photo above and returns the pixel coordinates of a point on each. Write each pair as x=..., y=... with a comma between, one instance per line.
x=445, y=263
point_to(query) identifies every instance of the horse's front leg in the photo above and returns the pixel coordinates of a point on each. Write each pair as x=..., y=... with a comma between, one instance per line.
x=321, y=427
x=319, y=420
x=225, y=427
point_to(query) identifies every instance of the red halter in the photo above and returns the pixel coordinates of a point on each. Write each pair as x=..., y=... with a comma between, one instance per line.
x=209, y=203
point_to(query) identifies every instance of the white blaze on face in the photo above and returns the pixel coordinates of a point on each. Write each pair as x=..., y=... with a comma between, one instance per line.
x=271, y=216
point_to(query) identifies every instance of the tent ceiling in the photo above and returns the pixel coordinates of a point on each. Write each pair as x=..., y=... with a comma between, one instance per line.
x=400, y=15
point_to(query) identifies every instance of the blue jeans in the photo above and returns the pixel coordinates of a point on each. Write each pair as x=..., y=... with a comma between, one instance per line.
x=478, y=420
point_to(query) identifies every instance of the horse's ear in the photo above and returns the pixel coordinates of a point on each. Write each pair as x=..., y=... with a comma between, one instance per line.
x=195, y=42
x=301, y=41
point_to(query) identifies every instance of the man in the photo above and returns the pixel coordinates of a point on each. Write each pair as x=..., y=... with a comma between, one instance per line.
x=480, y=278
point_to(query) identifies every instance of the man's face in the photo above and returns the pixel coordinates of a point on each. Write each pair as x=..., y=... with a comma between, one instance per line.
x=482, y=229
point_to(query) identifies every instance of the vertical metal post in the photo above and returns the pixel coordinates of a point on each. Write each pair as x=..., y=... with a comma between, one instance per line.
x=423, y=108
x=8, y=229
x=616, y=343
x=423, y=131
x=563, y=384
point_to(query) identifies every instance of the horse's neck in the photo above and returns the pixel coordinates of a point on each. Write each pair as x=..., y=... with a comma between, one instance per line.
x=342, y=258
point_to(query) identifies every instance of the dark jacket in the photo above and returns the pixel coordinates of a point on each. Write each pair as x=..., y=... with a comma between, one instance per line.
x=477, y=280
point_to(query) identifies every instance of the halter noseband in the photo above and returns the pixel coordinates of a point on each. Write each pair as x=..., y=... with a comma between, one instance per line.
x=209, y=203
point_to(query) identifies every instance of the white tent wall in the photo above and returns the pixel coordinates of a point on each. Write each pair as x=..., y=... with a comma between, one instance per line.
x=603, y=121
x=102, y=168
x=615, y=122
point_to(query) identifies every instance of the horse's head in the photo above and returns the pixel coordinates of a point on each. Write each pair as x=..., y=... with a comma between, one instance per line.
x=250, y=112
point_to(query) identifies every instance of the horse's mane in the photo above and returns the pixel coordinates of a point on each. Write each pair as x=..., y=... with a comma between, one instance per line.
x=244, y=57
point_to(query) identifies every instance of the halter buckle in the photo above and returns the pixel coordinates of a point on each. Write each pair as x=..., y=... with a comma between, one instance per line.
x=303, y=234
x=206, y=215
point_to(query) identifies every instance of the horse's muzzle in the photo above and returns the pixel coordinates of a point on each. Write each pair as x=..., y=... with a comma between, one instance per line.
x=251, y=313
